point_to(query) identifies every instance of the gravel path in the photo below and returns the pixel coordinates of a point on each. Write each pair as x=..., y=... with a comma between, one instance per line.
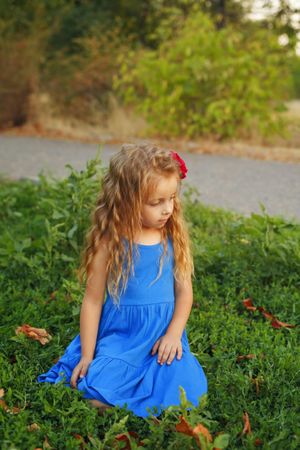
x=238, y=184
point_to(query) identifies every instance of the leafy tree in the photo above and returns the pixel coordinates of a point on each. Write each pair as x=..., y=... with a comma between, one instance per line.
x=284, y=21
x=207, y=81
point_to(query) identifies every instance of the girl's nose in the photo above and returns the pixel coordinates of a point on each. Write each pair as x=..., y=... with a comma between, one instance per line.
x=167, y=210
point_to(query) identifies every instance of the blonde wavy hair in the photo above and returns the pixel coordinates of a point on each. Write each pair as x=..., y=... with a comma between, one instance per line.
x=132, y=174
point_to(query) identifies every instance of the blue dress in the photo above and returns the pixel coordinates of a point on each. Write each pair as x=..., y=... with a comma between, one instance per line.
x=123, y=371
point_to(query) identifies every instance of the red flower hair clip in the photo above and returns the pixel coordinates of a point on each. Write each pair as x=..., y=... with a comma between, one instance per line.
x=183, y=168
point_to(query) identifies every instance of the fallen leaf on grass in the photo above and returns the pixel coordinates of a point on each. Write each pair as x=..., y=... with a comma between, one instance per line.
x=247, y=429
x=80, y=438
x=124, y=437
x=275, y=322
x=247, y=426
x=38, y=334
x=52, y=297
x=257, y=381
x=33, y=427
x=46, y=443
x=184, y=427
x=13, y=410
x=248, y=304
x=3, y=404
x=249, y=356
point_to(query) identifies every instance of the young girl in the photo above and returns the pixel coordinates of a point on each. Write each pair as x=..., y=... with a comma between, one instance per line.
x=133, y=349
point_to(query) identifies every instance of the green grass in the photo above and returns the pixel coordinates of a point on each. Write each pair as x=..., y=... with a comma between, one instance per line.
x=42, y=227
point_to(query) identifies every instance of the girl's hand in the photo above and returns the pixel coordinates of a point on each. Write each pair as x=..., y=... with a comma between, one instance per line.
x=80, y=370
x=167, y=346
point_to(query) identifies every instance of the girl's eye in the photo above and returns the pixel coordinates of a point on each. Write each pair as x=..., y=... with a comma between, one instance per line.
x=156, y=204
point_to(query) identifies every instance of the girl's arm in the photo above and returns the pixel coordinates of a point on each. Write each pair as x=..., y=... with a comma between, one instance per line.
x=93, y=301
x=183, y=306
x=170, y=343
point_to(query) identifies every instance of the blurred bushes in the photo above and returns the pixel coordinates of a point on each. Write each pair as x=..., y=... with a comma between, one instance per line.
x=80, y=83
x=15, y=82
x=296, y=76
x=189, y=69
x=207, y=81
x=25, y=28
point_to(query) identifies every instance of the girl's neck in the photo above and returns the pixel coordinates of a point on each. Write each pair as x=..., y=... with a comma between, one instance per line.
x=148, y=236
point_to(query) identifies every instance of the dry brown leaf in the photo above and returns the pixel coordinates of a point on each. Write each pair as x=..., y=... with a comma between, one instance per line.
x=124, y=437
x=275, y=322
x=256, y=381
x=13, y=410
x=46, y=443
x=3, y=405
x=184, y=427
x=2, y=392
x=247, y=426
x=80, y=438
x=53, y=295
x=199, y=428
x=249, y=356
x=38, y=334
x=33, y=427
x=248, y=304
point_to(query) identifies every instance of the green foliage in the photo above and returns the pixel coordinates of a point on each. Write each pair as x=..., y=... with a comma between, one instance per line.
x=80, y=83
x=208, y=82
x=25, y=28
x=15, y=90
x=296, y=76
x=42, y=230
x=218, y=75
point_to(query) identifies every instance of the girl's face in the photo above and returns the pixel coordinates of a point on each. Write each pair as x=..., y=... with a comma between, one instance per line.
x=157, y=209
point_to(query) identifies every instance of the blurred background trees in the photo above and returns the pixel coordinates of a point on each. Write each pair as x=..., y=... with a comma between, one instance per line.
x=191, y=68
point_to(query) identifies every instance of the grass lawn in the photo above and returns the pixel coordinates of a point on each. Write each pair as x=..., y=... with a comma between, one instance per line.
x=242, y=327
